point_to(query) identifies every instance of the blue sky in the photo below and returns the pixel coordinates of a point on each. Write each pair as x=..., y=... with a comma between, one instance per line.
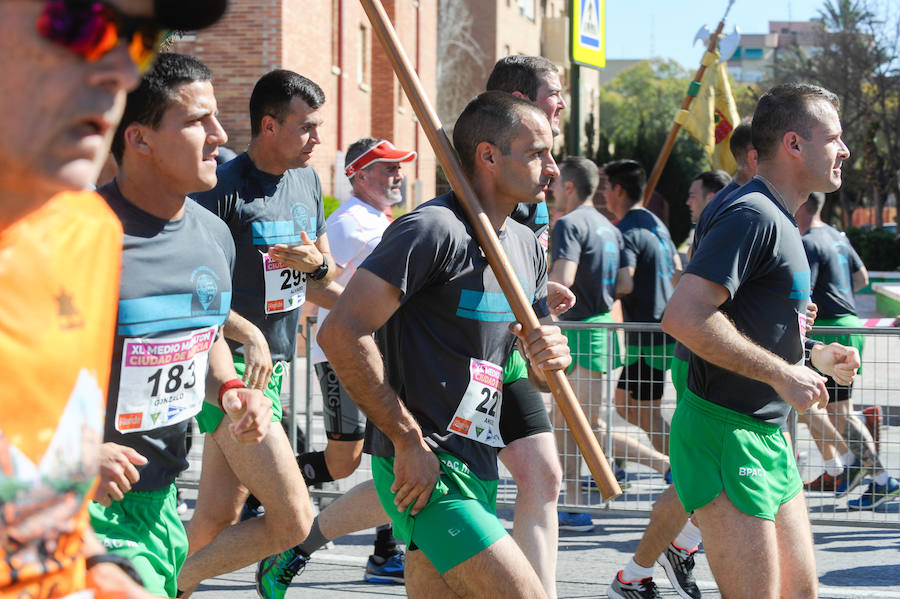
x=666, y=28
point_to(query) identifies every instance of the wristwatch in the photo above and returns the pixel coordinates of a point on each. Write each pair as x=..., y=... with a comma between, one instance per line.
x=319, y=273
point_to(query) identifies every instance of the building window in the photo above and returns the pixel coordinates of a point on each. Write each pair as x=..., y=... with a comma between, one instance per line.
x=362, y=59
x=526, y=9
x=753, y=53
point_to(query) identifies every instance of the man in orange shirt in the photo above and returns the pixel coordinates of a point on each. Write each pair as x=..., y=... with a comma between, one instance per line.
x=67, y=67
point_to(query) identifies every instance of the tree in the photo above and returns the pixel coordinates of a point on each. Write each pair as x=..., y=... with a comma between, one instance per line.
x=457, y=52
x=858, y=61
x=637, y=109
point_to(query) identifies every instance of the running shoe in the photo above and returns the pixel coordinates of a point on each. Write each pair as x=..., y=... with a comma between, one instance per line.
x=275, y=573
x=385, y=570
x=825, y=482
x=853, y=477
x=875, y=495
x=679, y=567
x=575, y=521
x=668, y=476
x=181, y=505
x=639, y=589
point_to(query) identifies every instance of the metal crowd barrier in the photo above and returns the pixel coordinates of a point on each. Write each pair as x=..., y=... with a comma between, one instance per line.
x=876, y=400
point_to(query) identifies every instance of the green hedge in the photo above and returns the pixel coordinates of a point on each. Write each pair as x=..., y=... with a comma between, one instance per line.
x=879, y=250
x=331, y=204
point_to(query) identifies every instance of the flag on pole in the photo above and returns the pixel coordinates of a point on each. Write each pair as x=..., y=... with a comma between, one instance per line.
x=713, y=114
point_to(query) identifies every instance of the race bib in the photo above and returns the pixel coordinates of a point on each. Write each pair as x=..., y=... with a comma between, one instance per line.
x=801, y=321
x=544, y=239
x=163, y=379
x=285, y=287
x=478, y=414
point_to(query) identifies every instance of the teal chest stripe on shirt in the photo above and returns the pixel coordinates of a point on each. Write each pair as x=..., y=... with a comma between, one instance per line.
x=272, y=232
x=485, y=306
x=155, y=314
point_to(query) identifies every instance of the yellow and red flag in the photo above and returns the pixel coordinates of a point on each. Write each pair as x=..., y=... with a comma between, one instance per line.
x=713, y=114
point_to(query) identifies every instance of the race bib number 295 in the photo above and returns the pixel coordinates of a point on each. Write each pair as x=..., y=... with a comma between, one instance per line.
x=285, y=287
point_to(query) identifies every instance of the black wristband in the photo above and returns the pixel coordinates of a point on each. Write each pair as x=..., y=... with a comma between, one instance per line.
x=319, y=273
x=808, y=345
x=121, y=561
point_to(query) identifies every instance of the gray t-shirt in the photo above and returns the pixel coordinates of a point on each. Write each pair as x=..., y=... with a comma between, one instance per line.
x=832, y=262
x=750, y=245
x=650, y=251
x=588, y=239
x=176, y=279
x=261, y=210
x=452, y=311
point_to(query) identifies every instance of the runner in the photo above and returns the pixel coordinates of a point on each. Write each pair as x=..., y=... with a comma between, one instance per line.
x=173, y=297
x=60, y=254
x=444, y=339
x=373, y=167
x=586, y=250
x=530, y=454
x=836, y=271
x=271, y=201
x=653, y=263
x=740, y=311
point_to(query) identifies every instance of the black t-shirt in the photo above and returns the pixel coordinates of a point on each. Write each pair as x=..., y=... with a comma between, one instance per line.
x=832, y=262
x=174, y=294
x=588, y=239
x=750, y=245
x=650, y=251
x=452, y=311
x=261, y=210
x=536, y=217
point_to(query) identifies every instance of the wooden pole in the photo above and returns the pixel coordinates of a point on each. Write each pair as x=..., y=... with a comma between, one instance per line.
x=490, y=244
x=670, y=139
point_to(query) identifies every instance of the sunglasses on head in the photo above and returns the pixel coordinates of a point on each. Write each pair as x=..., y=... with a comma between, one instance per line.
x=90, y=29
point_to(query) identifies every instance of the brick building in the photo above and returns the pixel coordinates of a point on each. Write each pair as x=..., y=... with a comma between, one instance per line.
x=332, y=43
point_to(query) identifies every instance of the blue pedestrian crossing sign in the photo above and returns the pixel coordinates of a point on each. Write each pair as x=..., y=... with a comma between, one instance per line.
x=588, y=32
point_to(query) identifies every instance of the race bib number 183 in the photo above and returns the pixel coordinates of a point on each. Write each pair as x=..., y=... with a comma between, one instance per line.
x=163, y=379
x=478, y=414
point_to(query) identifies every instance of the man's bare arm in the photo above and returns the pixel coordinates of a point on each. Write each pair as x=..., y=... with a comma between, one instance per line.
x=860, y=278
x=324, y=296
x=257, y=359
x=346, y=338
x=693, y=317
x=624, y=281
x=563, y=272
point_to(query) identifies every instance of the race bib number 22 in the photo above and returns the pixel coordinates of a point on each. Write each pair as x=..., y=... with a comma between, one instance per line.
x=478, y=414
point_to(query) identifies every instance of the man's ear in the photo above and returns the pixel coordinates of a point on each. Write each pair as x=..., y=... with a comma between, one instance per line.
x=521, y=96
x=135, y=138
x=268, y=124
x=486, y=155
x=791, y=142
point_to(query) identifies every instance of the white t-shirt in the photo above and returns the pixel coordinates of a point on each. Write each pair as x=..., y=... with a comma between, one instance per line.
x=354, y=230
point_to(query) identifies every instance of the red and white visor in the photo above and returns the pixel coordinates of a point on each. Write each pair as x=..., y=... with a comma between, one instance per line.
x=383, y=151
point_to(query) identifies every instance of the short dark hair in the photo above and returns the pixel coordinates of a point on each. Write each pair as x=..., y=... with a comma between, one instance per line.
x=787, y=107
x=630, y=175
x=493, y=117
x=815, y=202
x=358, y=148
x=713, y=181
x=583, y=174
x=148, y=103
x=741, y=140
x=273, y=93
x=519, y=73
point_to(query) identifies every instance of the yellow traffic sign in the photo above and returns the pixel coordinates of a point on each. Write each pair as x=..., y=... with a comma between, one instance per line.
x=588, y=32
